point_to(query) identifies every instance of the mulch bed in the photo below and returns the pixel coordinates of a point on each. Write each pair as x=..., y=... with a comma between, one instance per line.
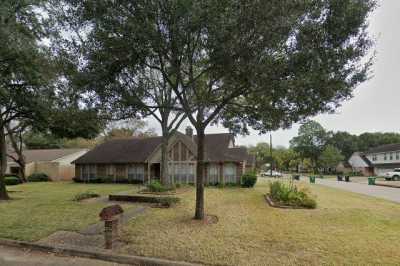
x=278, y=205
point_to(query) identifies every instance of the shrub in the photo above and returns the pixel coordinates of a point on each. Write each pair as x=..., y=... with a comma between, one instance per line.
x=85, y=195
x=355, y=173
x=11, y=180
x=105, y=179
x=77, y=179
x=156, y=186
x=168, y=201
x=38, y=177
x=249, y=179
x=289, y=194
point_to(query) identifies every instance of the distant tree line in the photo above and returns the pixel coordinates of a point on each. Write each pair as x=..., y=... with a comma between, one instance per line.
x=318, y=149
x=34, y=139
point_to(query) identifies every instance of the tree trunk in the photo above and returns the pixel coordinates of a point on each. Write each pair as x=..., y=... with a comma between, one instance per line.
x=199, y=214
x=164, y=159
x=3, y=164
x=18, y=147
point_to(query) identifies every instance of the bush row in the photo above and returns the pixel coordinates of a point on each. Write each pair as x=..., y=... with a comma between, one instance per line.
x=36, y=177
x=247, y=180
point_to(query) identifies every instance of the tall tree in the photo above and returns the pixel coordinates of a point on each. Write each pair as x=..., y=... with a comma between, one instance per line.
x=118, y=64
x=331, y=157
x=345, y=142
x=264, y=64
x=262, y=153
x=310, y=141
x=128, y=129
x=25, y=69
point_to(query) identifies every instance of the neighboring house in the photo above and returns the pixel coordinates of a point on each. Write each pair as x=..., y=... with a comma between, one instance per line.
x=139, y=159
x=343, y=167
x=56, y=163
x=359, y=162
x=384, y=158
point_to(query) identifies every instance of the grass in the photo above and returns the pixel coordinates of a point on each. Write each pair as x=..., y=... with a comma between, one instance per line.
x=346, y=228
x=39, y=209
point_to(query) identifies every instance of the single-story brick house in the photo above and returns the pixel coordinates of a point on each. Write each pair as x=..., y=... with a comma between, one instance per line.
x=139, y=159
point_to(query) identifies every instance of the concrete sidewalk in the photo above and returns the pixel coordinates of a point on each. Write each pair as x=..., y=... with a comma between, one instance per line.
x=10, y=256
x=388, y=193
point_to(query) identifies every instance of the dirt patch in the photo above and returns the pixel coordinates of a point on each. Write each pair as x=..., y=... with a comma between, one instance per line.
x=209, y=219
x=73, y=239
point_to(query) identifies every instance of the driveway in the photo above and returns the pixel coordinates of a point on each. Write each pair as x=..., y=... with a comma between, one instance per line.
x=388, y=193
x=15, y=257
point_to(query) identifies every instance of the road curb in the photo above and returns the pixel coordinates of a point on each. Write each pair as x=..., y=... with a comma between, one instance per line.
x=387, y=185
x=93, y=254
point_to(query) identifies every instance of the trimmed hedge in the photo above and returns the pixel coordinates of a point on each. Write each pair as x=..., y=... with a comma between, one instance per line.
x=249, y=180
x=38, y=177
x=12, y=180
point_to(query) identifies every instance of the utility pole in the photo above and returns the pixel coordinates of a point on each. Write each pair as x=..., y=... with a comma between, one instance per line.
x=270, y=152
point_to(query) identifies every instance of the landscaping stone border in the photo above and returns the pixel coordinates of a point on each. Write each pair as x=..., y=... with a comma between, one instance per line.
x=93, y=254
x=275, y=205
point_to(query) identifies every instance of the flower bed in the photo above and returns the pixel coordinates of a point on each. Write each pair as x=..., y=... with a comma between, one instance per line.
x=287, y=195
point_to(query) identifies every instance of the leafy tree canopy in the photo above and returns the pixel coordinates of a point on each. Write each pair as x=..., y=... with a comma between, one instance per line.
x=310, y=141
x=330, y=157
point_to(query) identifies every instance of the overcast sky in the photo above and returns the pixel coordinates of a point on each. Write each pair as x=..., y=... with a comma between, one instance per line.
x=376, y=103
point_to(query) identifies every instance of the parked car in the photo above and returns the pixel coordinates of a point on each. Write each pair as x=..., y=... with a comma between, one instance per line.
x=273, y=174
x=394, y=175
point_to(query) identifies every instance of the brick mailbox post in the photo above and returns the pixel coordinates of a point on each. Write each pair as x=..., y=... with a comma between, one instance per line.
x=110, y=216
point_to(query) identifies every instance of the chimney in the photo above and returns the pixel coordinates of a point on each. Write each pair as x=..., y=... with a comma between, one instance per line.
x=189, y=131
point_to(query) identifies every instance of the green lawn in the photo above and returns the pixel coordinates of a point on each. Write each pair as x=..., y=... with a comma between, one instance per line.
x=39, y=209
x=346, y=228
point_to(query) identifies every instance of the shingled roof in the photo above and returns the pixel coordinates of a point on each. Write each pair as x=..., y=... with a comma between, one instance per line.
x=44, y=155
x=136, y=150
x=133, y=150
x=385, y=148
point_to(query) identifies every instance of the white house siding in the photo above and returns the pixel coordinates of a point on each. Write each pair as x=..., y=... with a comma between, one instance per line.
x=384, y=157
x=384, y=162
